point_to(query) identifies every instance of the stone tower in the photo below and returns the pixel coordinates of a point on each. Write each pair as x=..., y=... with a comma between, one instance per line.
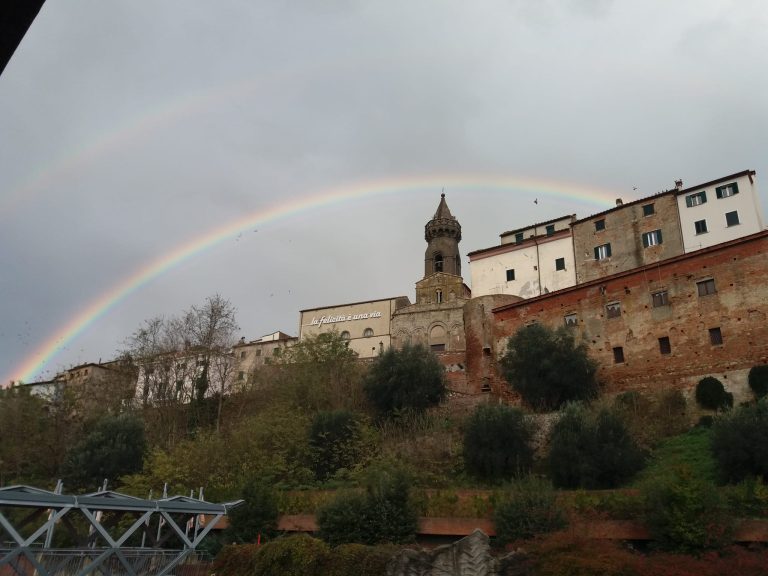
x=443, y=234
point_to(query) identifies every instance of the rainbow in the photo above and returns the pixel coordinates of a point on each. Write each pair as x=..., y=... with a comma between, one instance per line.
x=33, y=364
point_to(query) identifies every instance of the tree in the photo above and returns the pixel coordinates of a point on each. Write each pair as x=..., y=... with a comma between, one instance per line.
x=115, y=447
x=711, y=394
x=758, y=381
x=319, y=373
x=183, y=361
x=337, y=441
x=547, y=368
x=738, y=442
x=409, y=378
x=383, y=514
x=498, y=443
x=591, y=451
x=257, y=515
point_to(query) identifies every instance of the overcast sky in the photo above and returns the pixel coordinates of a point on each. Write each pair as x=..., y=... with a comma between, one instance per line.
x=131, y=128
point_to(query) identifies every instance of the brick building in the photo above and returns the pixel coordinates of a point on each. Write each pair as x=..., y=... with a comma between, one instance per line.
x=662, y=325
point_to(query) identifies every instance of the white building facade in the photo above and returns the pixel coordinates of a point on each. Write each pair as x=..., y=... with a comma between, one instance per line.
x=528, y=262
x=719, y=211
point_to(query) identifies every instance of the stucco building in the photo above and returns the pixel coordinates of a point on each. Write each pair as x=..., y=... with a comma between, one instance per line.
x=528, y=261
x=719, y=211
x=365, y=325
x=255, y=354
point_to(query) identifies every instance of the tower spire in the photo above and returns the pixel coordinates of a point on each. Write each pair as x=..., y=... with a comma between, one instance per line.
x=443, y=234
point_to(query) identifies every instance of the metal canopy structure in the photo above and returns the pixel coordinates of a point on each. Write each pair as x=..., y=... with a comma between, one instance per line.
x=104, y=529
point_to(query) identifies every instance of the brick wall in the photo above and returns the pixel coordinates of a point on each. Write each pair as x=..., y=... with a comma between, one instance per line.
x=738, y=308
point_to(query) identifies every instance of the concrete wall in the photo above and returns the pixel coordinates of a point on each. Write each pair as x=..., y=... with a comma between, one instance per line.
x=738, y=308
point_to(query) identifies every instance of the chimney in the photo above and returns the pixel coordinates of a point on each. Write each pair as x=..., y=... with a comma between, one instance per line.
x=619, y=202
x=678, y=184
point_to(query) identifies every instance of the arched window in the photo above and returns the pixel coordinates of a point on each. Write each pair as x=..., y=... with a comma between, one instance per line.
x=345, y=335
x=437, y=338
x=438, y=262
x=439, y=296
x=368, y=332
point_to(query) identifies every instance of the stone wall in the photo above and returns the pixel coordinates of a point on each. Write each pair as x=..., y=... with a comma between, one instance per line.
x=623, y=230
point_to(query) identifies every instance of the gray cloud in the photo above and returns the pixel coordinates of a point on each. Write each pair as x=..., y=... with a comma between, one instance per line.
x=130, y=128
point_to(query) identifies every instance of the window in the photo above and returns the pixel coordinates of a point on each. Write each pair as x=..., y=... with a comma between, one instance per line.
x=660, y=299
x=618, y=355
x=241, y=375
x=368, y=332
x=701, y=226
x=599, y=225
x=438, y=262
x=648, y=210
x=345, y=335
x=706, y=287
x=258, y=351
x=242, y=354
x=715, y=337
x=510, y=274
x=519, y=238
x=664, y=346
x=276, y=352
x=727, y=190
x=602, y=252
x=550, y=229
x=696, y=199
x=652, y=238
x=560, y=264
x=571, y=319
x=613, y=310
x=731, y=218
x=438, y=298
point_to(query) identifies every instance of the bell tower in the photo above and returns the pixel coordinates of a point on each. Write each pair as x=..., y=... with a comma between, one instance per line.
x=443, y=234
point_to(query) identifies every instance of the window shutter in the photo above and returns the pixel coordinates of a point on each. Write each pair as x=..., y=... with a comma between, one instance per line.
x=735, y=186
x=658, y=236
x=689, y=201
x=719, y=192
x=703, y=197
x=645, y=240
x=608, y=250
x=597, y=252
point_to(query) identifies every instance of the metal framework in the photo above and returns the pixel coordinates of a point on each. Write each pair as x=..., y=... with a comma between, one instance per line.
x=101, y=525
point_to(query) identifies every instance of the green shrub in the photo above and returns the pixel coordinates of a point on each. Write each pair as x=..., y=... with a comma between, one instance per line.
x=547, y=368
x=236, y=560
x=749, y=498
x=256, y=515
x=383, y=514
x=528, y=508
x=359, y=560
x=336, y=441
x=591, y=450
x=739, y=442
x=686, y=513
x=297, y=555
x=407, y=378
x=498, y=443
x=653, y=417
x=711, y=394
x=758, y=381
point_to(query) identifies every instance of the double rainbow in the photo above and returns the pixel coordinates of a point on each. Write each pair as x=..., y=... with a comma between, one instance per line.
x=33, y=364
